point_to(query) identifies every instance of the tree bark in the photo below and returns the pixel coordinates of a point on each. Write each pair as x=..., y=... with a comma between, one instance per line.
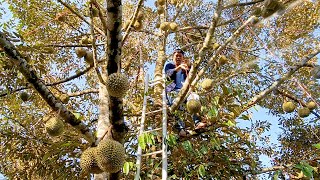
x=30, y=74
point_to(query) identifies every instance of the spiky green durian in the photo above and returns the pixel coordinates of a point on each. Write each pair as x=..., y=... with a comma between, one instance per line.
x=173, y=26
x=24, y=96
x=164, y=26
x=161, y=2
x=95, y=12
x=80, y=52
x=84, y=40
x=89, y=58
x=138, y=25
x=88, y=162
x=270, y=7
x=117, y=85
x=193, y=106
x=207, y=84
x=223, y=60
x=256, y=82
x=110, y=155
x=54, y=126
x=288, y=107
x=303, y=112
x=215, y=46
x=160, y=10
x=64, y=98
x=311, y=105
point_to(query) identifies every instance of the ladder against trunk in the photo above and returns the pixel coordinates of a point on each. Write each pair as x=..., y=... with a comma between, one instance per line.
x=163, y=150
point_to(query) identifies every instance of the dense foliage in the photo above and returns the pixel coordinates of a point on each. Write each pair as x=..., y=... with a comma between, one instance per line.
x=243, y=68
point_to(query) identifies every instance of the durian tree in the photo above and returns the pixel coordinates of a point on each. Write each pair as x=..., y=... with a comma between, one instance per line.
x=72, y=75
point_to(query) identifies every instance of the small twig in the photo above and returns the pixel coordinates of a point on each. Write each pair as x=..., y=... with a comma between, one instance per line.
x=80, y=16
x=133, y=19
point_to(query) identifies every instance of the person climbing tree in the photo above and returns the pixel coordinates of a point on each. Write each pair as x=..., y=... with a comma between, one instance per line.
x=177, y=73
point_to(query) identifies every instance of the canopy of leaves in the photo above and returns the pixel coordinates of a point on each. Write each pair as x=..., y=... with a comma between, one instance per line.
x=46, y=34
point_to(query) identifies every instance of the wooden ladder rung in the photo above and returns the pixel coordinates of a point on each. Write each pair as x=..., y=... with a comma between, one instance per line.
x=157, y=129
x=152, y=153
x=153, y=112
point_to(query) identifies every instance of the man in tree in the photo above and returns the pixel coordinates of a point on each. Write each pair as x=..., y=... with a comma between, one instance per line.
x=177, y=73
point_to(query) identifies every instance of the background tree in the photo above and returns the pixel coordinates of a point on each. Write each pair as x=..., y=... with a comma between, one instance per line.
x=266, y=60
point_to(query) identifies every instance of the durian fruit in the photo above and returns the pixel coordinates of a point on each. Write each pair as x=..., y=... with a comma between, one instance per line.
x=193, y=106
x=173, y=26
x=207, y=84
x=174, y=2
x=270, y=7
x=161, y=2
x=95, y=12
x=61, y=17
x=117, y=85
x=164, y=26
x=257, y=11
x=110, y=155
x=64, y=98
x=215, y=46
x=88, y=162
x=24, y=96
x=84, y=40
x=89, y=58
x=256, y=82
x=80, y=52
x=316, y=72
x=303, y=112
x=288, y=107
x=160, y=10
x=311, y=105
x=54, y=126
x=255, y=20
x=223, y=60
x=138, y=25
x=252, y=65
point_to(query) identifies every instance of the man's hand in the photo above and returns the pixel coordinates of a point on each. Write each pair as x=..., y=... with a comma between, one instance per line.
x=182, y=66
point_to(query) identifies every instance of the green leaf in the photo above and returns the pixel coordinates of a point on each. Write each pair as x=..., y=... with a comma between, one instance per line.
x=187, y=146
x=171, y=140
x=141, y=141
x=46, y=156
x=305, y=168
x=316, y=145
x=225, y=90
x=275, y=175
x=245, y=117
x=126, y=168
x=230, y=123
x=201, y=171
x=213, y=112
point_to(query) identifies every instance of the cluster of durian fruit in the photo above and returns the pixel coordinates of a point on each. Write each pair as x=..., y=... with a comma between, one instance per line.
x=108, y=156
x=193, y=105
x=82, y=52
x=166, y=26
x=289, y=107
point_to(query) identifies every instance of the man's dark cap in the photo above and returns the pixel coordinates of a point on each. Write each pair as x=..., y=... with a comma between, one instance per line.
x=178, y=51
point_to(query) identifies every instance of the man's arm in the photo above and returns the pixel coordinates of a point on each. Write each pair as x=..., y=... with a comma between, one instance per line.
x=169, y=69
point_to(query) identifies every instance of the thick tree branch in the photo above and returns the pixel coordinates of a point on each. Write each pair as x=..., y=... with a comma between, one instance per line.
x=242, y=4
x=193, y=71
x=132, y=21
x=80, y=93
x=275, y=85
x=41, y=88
